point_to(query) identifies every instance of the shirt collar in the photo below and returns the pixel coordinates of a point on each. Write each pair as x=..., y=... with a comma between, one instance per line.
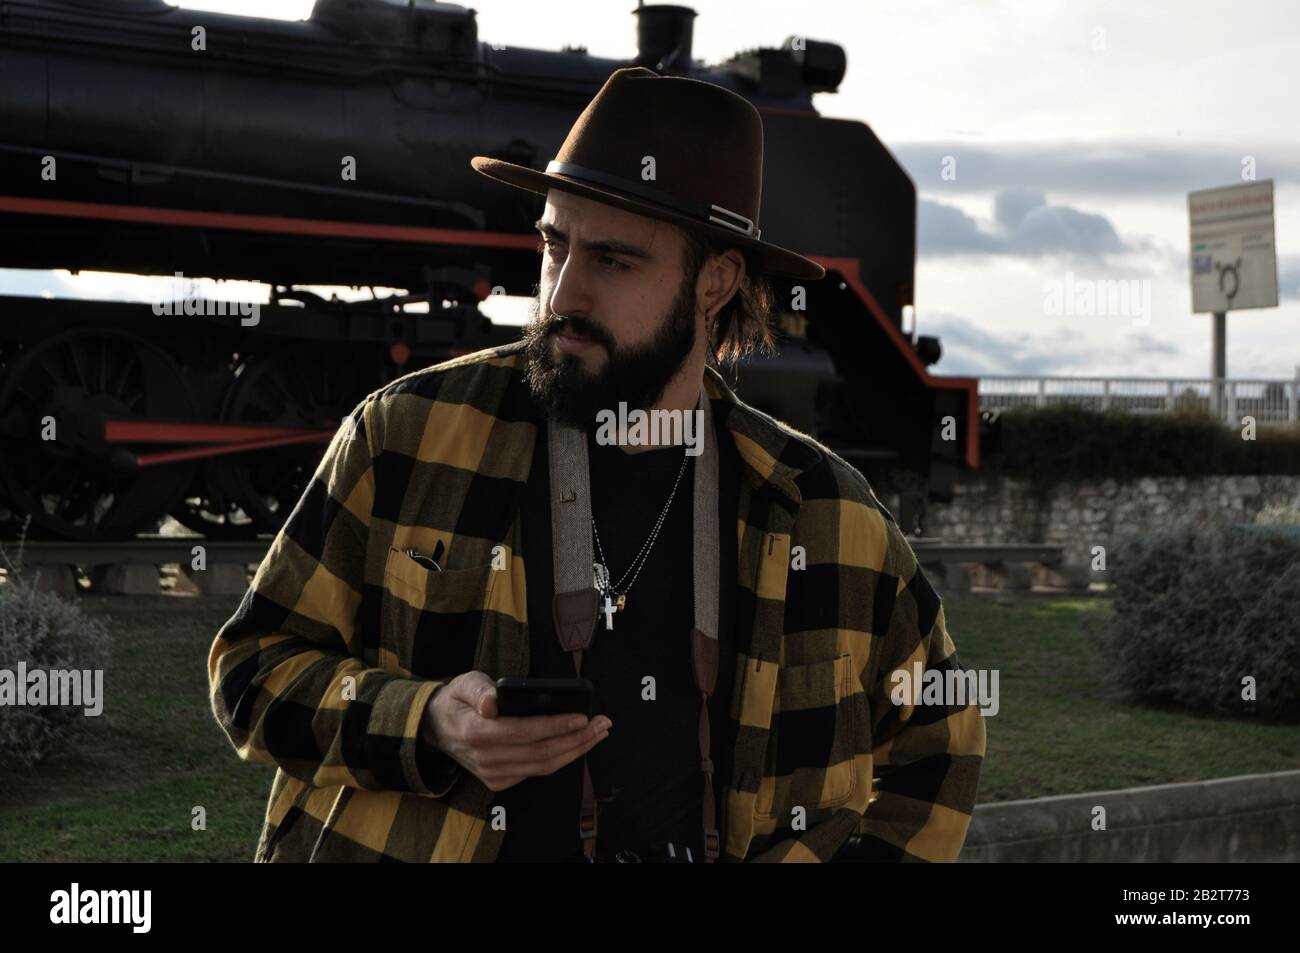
x=775, y=453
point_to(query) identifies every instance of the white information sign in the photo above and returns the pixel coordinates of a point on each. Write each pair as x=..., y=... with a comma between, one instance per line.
x=1233, y=258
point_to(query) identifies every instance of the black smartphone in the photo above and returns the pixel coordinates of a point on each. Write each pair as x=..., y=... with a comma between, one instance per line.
x=521, y=697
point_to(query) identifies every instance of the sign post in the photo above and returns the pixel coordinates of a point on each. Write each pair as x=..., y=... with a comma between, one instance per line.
x=1233, y=263
x=1219, y=363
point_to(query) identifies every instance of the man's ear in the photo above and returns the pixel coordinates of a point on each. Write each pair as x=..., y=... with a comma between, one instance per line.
x=723, y=274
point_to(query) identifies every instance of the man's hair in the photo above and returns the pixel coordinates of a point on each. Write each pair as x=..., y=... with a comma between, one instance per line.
x=744, y=324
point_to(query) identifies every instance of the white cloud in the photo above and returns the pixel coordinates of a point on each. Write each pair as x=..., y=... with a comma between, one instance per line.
x=1025, y=224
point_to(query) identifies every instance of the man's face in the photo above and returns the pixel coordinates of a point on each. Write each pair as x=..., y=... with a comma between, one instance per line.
x=615, y=318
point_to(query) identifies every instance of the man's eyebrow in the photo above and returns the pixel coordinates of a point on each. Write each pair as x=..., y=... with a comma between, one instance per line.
x=601, y=245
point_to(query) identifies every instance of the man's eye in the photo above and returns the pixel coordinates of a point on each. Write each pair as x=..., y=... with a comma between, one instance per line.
x=617, y=265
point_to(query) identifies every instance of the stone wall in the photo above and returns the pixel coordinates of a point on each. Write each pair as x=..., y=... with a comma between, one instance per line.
x=1081, y=515
x=1251, y=818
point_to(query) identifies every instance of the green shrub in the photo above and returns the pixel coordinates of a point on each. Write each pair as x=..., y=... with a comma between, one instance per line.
x=45, y=632
x=1071, y=442
x=1197, y=610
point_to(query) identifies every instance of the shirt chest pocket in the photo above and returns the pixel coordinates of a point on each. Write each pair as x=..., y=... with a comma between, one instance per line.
x=432, y=620
x=810, y=754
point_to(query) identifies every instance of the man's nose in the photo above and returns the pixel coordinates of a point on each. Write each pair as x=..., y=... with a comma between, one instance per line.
x=570, y=295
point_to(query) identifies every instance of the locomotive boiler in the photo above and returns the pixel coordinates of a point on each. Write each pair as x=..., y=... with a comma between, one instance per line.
x=144, y=139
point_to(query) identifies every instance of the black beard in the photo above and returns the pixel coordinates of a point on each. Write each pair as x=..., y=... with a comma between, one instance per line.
x=638, y=376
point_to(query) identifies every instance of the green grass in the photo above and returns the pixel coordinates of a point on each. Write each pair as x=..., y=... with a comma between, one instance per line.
x=125, y=789
x=1060, y=731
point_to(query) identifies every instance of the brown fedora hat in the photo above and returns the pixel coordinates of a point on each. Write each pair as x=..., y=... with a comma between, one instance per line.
x=677, y=149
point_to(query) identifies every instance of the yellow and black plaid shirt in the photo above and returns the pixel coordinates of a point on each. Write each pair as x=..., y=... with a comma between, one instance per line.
x=326, y=666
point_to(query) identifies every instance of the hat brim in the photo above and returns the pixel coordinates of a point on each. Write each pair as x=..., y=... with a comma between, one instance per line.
x=773, y=259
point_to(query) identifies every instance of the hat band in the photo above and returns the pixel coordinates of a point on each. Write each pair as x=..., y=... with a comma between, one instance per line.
x=715, y=214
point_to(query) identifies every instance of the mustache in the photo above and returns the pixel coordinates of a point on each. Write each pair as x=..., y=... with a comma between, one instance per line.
x=554, y=324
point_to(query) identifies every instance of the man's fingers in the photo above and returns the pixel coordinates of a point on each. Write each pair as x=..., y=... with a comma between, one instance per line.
x=500, y=784
x=553, y=764
x=523, y=730
x=540, y=767
x=535, y=751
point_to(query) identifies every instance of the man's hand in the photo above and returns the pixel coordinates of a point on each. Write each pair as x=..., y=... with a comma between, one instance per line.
x=462, y=721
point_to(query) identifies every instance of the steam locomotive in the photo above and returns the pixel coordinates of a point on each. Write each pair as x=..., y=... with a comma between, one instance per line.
x=144, y=139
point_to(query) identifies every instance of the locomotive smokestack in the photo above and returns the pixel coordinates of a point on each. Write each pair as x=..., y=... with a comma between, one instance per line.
x=663, y=37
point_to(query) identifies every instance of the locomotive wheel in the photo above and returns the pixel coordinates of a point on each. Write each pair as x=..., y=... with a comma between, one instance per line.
x=210, y=510
x=75, y=486
x=293, y=387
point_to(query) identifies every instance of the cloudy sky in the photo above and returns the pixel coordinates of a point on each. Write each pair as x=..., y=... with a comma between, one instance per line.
x=1071, y=133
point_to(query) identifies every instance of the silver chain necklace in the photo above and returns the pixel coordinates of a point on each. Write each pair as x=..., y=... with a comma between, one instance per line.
x=614, y=596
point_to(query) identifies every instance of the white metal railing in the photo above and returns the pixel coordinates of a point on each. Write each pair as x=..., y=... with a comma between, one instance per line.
x=1268, y=401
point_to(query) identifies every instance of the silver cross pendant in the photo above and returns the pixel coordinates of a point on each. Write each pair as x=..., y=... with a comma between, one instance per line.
x=601, y=575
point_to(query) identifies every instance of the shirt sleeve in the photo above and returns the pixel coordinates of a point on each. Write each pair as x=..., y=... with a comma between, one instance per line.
x=927, y=756
x=287, y=680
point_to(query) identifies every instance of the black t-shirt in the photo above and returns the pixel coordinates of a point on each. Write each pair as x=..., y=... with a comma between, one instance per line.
x=646, y=773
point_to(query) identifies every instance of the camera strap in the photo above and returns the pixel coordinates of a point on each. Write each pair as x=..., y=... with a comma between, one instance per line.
x=575, y=608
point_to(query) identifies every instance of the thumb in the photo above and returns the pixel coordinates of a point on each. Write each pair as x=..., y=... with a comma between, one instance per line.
x=485, y=702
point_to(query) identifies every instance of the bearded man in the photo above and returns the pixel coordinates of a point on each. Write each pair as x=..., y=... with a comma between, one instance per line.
x=735, y=593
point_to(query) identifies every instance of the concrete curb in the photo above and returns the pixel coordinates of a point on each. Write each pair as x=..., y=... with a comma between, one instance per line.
x=1255, y=817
